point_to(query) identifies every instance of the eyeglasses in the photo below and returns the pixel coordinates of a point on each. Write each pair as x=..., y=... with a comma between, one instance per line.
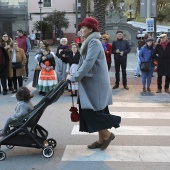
x=5, y=36
x=103, y=39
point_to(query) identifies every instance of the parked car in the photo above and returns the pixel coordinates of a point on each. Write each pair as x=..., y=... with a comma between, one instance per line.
x=141, y=33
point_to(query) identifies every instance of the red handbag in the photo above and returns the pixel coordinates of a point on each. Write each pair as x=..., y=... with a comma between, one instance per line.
x=75, y=117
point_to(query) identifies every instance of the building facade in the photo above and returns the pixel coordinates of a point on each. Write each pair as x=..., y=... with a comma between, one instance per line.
x=22, y=14
x=13, y=16
x=68, y=6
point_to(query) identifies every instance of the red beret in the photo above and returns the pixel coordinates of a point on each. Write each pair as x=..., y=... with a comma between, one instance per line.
x=90, y=22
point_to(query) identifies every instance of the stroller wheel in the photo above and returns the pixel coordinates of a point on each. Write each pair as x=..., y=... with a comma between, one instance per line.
x=48, y=152
x=2, y=155
x=52, y=142
x=9, y=146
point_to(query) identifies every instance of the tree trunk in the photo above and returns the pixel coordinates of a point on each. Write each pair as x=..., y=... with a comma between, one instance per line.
x=99, y=14
x=137, y=8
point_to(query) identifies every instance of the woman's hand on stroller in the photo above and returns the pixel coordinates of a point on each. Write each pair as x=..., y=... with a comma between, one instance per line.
x=68, y=77
x=67, y=71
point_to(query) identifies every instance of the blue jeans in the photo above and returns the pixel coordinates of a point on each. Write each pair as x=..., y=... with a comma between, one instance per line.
x=147, y=75
x=138, y=67
x=32, y=44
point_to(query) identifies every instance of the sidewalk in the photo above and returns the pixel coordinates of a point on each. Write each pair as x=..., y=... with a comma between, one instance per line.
x=135, y=84
x=132, y=62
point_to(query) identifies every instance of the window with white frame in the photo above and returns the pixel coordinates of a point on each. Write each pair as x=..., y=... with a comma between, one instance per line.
x=47, y=3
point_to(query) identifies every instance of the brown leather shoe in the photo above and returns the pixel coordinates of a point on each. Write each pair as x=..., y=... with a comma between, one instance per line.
x=144, y=89
x=115, y=87
x=126, y=87
x=167, y=91
x=158, y=91
x=94, y=145
x=148, y=89
x=107, y=142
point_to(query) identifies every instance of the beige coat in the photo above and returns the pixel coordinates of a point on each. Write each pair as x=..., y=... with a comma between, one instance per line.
x=20, y=57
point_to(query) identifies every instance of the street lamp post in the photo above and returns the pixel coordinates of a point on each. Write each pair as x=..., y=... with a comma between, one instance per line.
x=76, y=6
x=40, y=3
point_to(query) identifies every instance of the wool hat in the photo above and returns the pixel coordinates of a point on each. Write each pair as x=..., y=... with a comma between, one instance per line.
x=90, y=22
x=149, y=39
x=119, y=31
x=163, y=35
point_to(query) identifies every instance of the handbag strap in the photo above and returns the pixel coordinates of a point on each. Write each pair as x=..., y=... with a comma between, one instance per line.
x=72, y=95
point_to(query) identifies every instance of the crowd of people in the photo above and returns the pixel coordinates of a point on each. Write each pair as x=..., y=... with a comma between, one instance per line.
x=85, y=63
x=68, y=56
x=149, y=50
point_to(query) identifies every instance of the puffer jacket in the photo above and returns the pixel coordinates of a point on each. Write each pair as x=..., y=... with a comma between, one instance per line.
x=145, y=54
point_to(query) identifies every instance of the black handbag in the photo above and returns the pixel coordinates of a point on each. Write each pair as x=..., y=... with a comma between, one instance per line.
x=145, y=66
x=17, y=65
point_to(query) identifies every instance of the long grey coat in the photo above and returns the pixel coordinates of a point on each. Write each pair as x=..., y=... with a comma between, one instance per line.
x=92, y=74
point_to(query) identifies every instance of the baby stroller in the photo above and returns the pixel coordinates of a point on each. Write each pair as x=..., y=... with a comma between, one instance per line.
x=27, y=132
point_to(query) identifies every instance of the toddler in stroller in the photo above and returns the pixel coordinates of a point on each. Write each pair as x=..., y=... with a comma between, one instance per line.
x=26, y=132
x=24, y=105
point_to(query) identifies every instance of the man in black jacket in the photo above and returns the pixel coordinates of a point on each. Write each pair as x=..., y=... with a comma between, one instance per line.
x=120, y=49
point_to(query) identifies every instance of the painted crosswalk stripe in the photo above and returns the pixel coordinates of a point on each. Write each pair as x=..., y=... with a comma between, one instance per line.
x=144, y=105
x=29, y=86
x=131, y=130
x=118, y=153
x=143, y=115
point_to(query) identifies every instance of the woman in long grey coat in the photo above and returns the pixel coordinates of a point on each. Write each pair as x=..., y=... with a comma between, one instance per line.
x=94, y=87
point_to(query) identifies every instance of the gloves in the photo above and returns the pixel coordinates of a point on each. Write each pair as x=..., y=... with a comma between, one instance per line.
x=68, y=77
x=67, y=71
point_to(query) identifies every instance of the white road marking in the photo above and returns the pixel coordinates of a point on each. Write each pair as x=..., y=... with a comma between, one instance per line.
x=130, y=104
x=143, y=115
x=131, y=130
x=118, y=153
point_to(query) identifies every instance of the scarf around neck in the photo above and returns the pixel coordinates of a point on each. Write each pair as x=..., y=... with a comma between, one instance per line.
x=104, y=46
x=164, y=45
x=94, y=35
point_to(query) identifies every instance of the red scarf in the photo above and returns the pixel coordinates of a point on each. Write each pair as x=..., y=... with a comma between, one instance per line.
x=164, y=45
x=2, y=57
